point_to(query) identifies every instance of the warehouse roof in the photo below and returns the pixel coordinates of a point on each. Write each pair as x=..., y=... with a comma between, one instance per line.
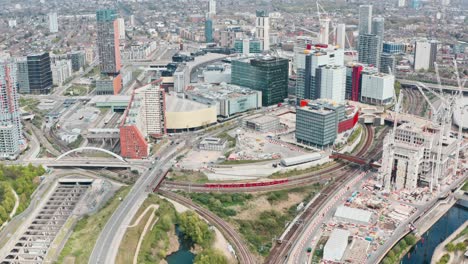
x=336, y=245
x=353, y=214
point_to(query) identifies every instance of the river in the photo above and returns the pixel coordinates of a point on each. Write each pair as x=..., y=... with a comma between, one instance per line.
x=447, y=224
x=183, y=255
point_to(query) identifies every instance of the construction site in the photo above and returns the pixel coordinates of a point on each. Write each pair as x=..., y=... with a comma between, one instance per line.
x=424, y=155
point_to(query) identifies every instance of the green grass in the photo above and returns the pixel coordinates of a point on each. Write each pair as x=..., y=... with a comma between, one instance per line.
x=400, y=249
x=231, y=140
x=81, y=242
x=76, y=90
x=218, y=203
x=355, y=135
x=75, y=144
x=465, y=186
x=188, y=176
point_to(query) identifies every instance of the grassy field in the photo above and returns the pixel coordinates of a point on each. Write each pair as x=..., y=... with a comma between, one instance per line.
x=187, y=176
x=132, y=235
x=81, y=242
x=465, y=187
x=76, y=90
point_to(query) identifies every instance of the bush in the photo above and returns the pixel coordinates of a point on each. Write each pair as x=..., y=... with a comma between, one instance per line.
x=210, y=256
x=444, y=259
x=410, y=239
x=218, y=203
x=450, y=247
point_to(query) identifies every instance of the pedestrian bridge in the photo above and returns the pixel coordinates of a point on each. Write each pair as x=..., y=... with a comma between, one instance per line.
x=92, y=149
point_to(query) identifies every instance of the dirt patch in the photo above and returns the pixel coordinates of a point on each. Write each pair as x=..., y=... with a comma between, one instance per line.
x=173, y=242
x=253, y=208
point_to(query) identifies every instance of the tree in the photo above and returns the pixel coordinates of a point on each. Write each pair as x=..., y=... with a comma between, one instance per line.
x=410, y=239
x=3, y=213
x=460, y=246
x=195, y=229
x=450, y=247
x=403, y=244
x=210, y=256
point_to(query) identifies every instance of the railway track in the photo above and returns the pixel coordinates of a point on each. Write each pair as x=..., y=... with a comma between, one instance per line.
x=280, y=251
x=314, y=177
x=241, y=247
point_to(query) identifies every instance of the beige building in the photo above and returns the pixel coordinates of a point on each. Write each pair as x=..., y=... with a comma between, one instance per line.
x=183, y=114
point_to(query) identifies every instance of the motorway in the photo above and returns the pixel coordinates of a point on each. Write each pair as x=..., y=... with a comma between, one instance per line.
x=107, y=244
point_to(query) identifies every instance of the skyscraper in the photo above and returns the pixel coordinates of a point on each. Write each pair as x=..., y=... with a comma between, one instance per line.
x=39, y=73
x=306, y=63
x=212, y=8
x=415, y=4
x=10, y=116
x=425, y=54
x=369, y=49
x=53, y=23
x=387, y=63
x=365, y=19
x=109, y=51
x=262, y=27
x=340, y=36
x=208, y=30
x=378, y=27
x=121, y=25
x=266, y=74
x=401, y=3
x=331, y=82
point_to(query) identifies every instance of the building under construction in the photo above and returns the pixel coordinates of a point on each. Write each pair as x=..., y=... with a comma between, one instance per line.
x=415, y=160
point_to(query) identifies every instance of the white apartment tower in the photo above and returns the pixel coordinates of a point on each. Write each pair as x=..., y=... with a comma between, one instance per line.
x=365, y=19
x=121, y=25
x=212, y=7
x=401, y=3
x=331, y=83
x=53, y=23
x=425, y=53
x=10, y=116
x=340, y=36
x=262, y=27
x=153, y=104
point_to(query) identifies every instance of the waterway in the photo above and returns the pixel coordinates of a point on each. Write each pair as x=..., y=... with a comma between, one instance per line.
x=447, y=224
x=183, y=255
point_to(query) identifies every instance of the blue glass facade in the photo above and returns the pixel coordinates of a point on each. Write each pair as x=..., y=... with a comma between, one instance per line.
x=393, y=48
x=208, y=30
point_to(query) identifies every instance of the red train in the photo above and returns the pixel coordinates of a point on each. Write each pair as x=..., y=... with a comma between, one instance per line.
x=244, y=184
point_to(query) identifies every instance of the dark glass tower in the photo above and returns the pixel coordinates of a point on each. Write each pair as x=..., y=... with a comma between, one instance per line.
x=39, y=73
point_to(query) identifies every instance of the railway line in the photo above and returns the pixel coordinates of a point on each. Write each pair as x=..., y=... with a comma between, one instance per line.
x=241, y=247
x=279, y=184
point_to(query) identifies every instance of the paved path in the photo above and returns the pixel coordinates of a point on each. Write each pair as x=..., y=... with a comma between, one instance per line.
x=145, y=230
x=137, y=222
x=13, y=212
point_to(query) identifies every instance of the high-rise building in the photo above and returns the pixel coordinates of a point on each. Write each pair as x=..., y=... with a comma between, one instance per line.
x=317, y=123
x=10, y=116
x=108, y=41
x=393, y=47
x=353, y=82
x=365, y=19
x=331, y=82
x=212, y=8
x=266, y=74
x=144, y=118
x=401, y=3
x=324, y=31
x=61, y=71
x=78, y=59
x=445, y=2
x=306, y=63
x=22, y=75
x=340, y=36
x=208, y=30
x=39, y=73
x=378, y=28
x=108, y=49
x=262, y=27
x=369, y=49
x=377, y=88
x=248, y=46
x=387, y=63
x=425, y=54
x=121, y=26
x=53, y=23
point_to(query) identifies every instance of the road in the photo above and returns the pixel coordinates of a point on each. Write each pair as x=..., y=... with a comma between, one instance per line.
x=107, y=244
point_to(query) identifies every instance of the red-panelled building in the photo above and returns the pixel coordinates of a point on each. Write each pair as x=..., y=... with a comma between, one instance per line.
x=132, y=143
x=348, y=123
x=356, y=83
